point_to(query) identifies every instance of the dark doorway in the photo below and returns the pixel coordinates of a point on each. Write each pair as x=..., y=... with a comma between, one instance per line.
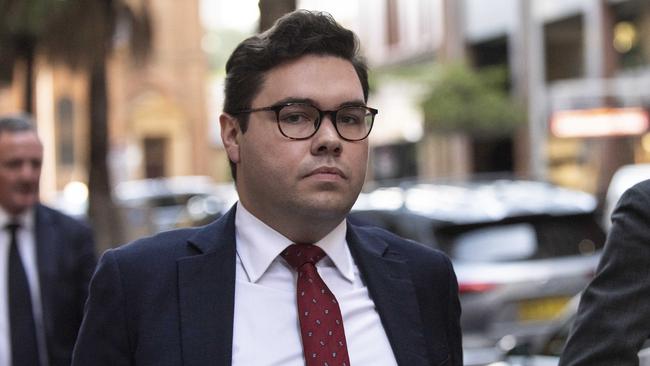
x=155, y=154
x=491, y=52
x=396, y=161
x=492, y=155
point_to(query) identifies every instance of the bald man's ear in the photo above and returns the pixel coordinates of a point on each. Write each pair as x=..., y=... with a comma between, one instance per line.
x=230, y=135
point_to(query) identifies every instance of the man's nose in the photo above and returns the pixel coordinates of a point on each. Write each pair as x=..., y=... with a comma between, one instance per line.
x=327, y=139
x=29, y=170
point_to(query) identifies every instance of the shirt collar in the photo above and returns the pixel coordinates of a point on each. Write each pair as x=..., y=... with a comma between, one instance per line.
x=258, y=245
x=26, y=219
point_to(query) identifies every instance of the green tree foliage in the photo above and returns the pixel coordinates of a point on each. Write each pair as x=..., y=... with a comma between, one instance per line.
x=471, y=102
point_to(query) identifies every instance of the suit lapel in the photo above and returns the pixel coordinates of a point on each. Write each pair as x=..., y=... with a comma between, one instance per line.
x=45, y=242
x=387, y=276
x=207, y=294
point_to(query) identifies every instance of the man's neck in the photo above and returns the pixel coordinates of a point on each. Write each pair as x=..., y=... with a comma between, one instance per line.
x=299, y=228
x=6, y=216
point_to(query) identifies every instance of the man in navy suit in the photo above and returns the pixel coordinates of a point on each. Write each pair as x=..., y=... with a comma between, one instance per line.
x=44, y=255
x=295, y=128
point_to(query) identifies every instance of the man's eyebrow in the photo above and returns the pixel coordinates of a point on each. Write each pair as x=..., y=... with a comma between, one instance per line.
x=351, y=103
x=295, y=100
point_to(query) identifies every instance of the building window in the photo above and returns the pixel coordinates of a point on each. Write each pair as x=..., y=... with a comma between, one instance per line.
x=563, y=42
x=65, y=131
x=630, y=34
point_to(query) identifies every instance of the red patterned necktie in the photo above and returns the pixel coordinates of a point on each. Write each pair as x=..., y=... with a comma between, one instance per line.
x=321, y=323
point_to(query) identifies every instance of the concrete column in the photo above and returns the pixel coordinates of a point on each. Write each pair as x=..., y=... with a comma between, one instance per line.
x=46, y=130
x=518, y=69
x=453, y=43
x=529, y=75
x=594, y=40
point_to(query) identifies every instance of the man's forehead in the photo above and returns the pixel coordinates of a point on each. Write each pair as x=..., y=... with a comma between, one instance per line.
x=20, y=143
x=310, y=62
x=312, y=77
x=19, y=137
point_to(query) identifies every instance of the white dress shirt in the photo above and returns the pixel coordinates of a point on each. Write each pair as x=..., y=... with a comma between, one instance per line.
x=27, y=249
x=266, y=327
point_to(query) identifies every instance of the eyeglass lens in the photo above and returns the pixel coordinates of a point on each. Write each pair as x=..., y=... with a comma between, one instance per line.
x=302, y=121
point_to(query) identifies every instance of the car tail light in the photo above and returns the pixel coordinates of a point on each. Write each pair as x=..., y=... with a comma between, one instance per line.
x=591, y=274
x=475, y=287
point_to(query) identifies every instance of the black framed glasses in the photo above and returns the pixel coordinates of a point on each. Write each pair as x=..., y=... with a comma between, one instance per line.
x=300, y=121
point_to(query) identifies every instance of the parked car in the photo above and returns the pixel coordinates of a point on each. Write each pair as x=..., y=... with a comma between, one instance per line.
x=547, y=351
x=154, y=205
x=624, y=178
x=202, y=210
x=157, y=204
x=521, y=249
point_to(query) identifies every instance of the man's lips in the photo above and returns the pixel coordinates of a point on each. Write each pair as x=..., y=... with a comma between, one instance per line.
x=26, y=189
x=327, y=171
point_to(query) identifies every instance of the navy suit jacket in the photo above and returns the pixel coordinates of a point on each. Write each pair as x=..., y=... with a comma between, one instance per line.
x=66, y=259
x=169, y=299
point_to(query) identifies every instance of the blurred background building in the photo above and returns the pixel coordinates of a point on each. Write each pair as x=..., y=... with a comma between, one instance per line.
x=579, y=69
x=553, y=90
x=576, y=80
x=157, y=111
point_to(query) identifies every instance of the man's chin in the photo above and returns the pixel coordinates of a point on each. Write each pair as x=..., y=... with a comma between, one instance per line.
x=22, y=204
x=331, y=204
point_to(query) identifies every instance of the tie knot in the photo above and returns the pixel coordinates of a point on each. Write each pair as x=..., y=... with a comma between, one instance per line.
x=12, y=227
x=299, y=254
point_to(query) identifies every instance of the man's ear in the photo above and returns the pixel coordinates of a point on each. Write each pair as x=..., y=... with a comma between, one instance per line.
x=230, y=135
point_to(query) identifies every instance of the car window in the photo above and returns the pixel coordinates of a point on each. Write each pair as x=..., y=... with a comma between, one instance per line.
x=170, y=200
x=496, y=244
x=570, y=235
x=521, y=238
x=536, y=237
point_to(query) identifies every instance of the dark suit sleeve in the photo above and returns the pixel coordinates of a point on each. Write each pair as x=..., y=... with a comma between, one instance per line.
x=613, y=320
x=86, y=262
x=453, y=325
x=103, y=337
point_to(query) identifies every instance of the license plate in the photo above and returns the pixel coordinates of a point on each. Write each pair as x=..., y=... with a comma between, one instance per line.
x=541, y=309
